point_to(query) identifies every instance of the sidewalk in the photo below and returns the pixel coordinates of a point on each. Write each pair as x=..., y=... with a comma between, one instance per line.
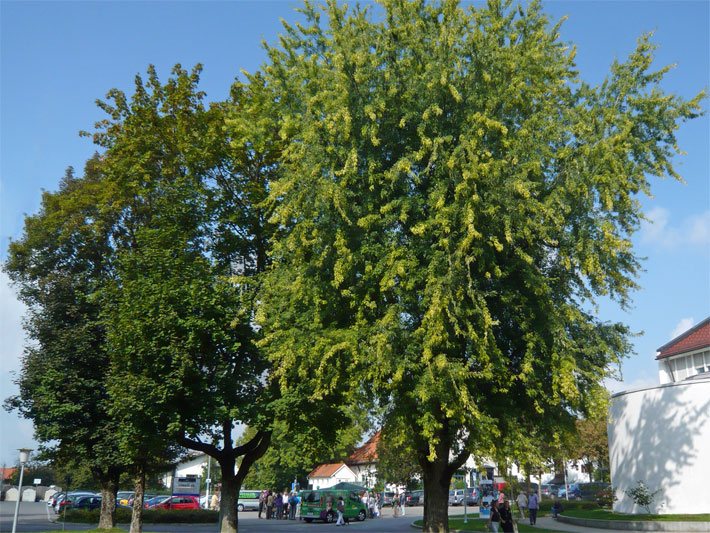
x=548, y=523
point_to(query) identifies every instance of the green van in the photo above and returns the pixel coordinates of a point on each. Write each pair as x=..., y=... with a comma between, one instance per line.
x=322, y=505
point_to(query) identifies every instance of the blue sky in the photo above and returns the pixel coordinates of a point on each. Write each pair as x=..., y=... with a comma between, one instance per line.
x=59, y=57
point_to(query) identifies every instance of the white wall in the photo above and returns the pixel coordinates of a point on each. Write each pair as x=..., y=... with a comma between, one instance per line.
x=661, y=436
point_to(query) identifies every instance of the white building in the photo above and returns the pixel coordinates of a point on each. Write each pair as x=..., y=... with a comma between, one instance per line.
x=661, y=435
x=327, y=475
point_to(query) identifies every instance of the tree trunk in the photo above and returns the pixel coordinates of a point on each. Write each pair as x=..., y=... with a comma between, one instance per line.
x=137, y=515
x=436, y=496
x=228, y=503
x=109, y=487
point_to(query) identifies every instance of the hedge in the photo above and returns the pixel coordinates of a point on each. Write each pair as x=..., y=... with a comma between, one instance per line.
x=150, y=516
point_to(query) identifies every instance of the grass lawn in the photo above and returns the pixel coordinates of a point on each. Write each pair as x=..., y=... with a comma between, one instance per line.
x=605, y=514
x=475, y=524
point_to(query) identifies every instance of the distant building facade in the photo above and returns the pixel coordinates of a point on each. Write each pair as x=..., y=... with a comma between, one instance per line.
x=326, y=475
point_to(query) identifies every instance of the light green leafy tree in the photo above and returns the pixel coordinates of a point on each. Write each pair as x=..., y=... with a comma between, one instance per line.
x=453, y=200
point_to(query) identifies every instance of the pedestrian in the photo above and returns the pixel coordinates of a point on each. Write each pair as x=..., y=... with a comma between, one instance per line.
x=556, y=508
x=533, y=506
x=371, y=505
x=292, y=506
x=395, y=505
x=214, y=503
x=506, y=518
x=284, y=497
x=402, y=503
x=378, y=505
x=522, y=502
x=269, y=505
x=262, y=502
x=341, y=511
x=279, y=506
x=494, y=518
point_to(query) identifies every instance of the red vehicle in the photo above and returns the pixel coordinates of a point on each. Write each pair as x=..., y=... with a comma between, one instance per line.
x=179, y=503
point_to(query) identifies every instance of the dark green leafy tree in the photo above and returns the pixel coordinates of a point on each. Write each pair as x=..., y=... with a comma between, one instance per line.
x=452, y=202
x=190, y=243
x=58, y=266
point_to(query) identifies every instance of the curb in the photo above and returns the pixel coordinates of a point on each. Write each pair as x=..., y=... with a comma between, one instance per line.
x=635, y=525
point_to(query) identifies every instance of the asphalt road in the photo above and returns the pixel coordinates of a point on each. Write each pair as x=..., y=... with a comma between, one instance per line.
x=34, y=517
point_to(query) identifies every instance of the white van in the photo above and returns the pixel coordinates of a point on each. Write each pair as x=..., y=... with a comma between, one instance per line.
x=248, y=500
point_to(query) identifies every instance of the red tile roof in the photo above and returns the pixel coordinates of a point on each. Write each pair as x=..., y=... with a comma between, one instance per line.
x=326, y=470
x=695, y=338
x=7, y=473
x=367, y=453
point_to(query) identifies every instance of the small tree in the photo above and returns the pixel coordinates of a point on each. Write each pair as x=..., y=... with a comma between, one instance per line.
x=642, y=495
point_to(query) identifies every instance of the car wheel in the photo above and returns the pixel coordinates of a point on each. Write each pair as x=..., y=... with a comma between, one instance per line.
x=361, y=515
x=330, y=517
x=240, y=508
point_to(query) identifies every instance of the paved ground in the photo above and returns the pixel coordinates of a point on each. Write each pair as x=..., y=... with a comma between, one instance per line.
x=35, y=518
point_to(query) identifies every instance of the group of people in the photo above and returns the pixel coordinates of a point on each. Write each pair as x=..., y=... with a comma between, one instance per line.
x=278, y=505
x=502, y=514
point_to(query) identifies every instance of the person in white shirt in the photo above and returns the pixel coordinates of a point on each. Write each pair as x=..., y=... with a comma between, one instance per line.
x=522, y=502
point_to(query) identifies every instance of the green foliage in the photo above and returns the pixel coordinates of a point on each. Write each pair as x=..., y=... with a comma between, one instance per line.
x=453, y=201
x=58, y=265
x=642, y=495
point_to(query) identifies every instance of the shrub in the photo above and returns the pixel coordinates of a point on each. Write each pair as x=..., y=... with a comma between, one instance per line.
x=606, y=497
x=150, y=516
x=642, y=495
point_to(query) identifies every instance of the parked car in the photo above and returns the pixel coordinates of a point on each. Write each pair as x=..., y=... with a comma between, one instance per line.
x=456, y=497
x=146, y=497
x=88, y=503
x=178, y=503
x=589, y=491
x=123, y=497
x=548, y=491
x=248, y=500
x=387, y=498
x=321, y=505
x=471, y=496
x=68, y=499
x=571, y=492
x=150, y=503
x=415, y=497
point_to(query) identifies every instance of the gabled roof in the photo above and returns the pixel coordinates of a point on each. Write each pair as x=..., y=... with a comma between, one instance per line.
x=695, y=338
x=367, y=453
x=327, y=470
x=7, y=473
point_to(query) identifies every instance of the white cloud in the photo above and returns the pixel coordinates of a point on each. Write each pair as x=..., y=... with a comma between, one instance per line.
x=660, y=230
x=681, y=327
x=16, y=432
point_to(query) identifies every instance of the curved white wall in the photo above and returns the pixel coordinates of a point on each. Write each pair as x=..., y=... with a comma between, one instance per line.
x=661, y=436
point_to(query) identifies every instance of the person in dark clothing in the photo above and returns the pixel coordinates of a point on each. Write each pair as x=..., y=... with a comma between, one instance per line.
x=494, y=520
x=506, y=518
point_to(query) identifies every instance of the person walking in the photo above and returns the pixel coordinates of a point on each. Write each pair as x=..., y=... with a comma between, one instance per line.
x=371, y=505
x=284, y=498
x=403, y=503
x=494, y=519
x=262, y=502
x=341, y=511
x=269, y=505
x=533, y=506
x=279, y=505
x=522, y=502
x=506, y=518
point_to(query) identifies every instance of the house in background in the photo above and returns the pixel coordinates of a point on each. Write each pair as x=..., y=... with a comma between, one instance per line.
x=660, y=435
x=363, y=462
x=327, y=475
x=686, y=356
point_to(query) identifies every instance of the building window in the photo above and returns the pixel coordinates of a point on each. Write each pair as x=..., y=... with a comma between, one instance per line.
x=691, y=365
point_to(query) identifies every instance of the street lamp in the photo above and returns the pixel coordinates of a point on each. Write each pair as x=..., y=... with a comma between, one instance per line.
x=24, y=456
